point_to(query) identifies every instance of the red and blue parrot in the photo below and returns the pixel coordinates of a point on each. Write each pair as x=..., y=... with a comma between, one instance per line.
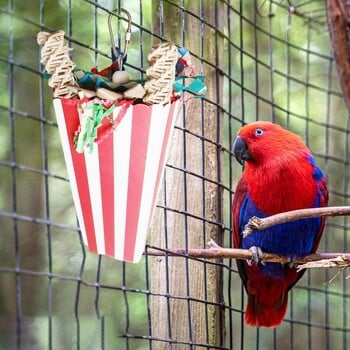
x=279, y=175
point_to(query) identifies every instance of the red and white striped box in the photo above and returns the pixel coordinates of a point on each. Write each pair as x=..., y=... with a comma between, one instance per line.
x=115, y=186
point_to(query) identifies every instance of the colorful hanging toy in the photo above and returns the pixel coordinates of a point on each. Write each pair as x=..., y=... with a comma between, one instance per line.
x=115, y=135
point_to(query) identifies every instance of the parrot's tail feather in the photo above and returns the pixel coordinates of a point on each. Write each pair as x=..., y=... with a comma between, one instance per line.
x=271, y=315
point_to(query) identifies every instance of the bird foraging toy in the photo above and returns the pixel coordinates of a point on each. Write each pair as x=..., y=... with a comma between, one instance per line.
x=115, y=135
x=115, y=184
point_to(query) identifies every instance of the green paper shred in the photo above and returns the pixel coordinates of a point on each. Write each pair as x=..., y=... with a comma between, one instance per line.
x=89, y=131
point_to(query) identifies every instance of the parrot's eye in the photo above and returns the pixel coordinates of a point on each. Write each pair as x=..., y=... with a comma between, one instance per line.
x=259, y=132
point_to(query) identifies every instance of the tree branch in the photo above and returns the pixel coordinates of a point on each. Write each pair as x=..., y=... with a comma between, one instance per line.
x=214, y=251
x=256, y=223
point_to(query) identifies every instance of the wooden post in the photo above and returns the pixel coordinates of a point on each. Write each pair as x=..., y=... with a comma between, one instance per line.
x=183, y=313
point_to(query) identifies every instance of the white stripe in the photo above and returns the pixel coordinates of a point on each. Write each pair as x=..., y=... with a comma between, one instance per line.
x=93, y=175
x=121, y=144
x=69, y=163
x=159, y=120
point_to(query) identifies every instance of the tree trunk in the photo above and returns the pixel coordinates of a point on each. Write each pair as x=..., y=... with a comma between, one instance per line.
x=186, y=309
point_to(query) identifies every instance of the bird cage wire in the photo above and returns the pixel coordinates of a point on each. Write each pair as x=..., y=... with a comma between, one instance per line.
x=268, y=60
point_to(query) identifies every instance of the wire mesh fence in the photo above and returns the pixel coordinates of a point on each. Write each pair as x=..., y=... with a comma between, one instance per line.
x=262, y=60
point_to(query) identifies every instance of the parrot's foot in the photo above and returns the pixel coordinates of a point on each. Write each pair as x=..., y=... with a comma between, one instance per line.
x=292, y=261
x=257, y=255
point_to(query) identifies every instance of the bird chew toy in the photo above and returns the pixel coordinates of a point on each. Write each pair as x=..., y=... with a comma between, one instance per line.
x=160, y=74
x=115, y=136
x=55, y=57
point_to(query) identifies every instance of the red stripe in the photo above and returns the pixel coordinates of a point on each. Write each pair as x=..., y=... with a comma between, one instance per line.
x=72, y=122
x=162, y=159
x=141, y=120
x=107, y=191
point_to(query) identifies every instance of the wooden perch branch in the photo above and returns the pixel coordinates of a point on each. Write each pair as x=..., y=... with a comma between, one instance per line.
x=217, y=252
x=214, y=251
x=256, y=223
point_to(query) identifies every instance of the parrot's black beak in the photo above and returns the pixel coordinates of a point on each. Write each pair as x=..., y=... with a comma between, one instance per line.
x=240, y=150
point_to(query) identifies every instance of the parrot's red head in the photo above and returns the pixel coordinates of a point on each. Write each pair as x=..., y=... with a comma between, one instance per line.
x=278, y=165
x=261, y=142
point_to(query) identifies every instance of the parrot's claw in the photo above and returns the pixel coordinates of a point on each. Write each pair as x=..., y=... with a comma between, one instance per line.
x=291, y=261
x=257, y=255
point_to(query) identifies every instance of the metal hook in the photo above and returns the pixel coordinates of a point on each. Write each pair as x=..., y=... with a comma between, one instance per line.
x=119, y=57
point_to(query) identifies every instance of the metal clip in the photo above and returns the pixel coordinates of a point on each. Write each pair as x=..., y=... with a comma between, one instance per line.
x=117, y=54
